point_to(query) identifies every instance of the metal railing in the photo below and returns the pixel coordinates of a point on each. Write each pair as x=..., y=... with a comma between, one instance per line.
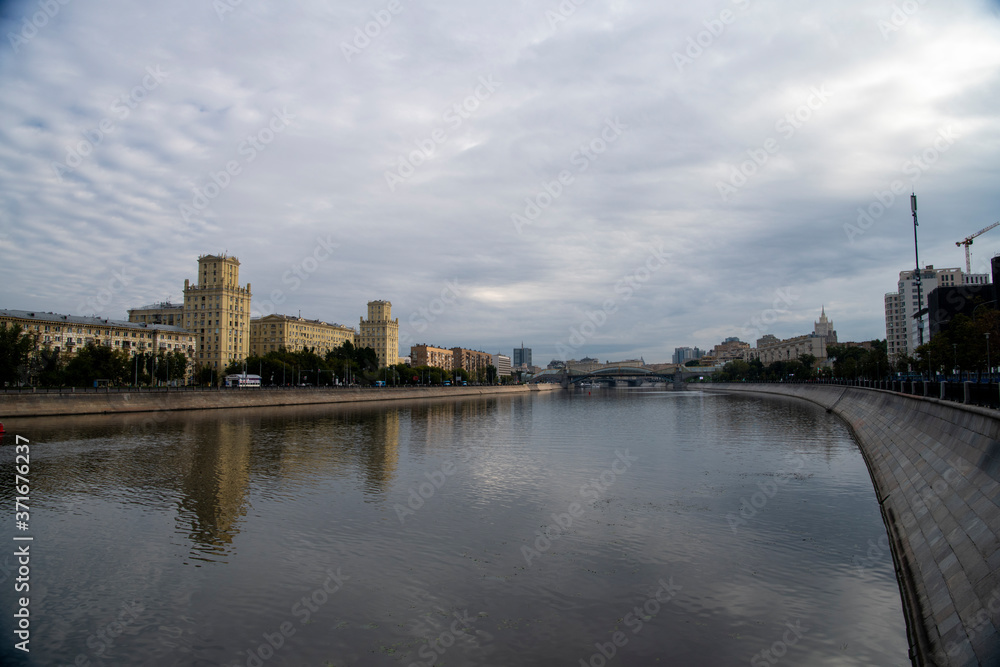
x=983, y=394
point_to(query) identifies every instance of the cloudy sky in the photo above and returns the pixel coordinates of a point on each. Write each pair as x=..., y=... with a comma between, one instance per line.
x=593, y=177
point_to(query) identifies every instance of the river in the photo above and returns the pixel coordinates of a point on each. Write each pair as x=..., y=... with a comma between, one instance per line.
x=606, y=526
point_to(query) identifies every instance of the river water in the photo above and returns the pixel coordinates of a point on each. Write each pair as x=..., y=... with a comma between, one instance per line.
x=619, y=527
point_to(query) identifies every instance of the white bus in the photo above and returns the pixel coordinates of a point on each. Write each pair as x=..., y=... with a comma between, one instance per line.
x=242, y=381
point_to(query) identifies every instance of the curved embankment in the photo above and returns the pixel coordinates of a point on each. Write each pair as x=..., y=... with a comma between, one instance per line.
x=47, y=405
x=936, y=470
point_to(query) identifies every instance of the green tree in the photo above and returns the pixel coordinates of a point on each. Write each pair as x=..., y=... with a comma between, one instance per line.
x=97, y=362
x=15, y=347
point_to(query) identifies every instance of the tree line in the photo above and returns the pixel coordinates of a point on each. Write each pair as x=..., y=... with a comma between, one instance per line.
x=21, y=364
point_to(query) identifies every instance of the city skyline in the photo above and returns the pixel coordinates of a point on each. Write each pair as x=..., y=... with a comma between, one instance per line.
x=664, y=176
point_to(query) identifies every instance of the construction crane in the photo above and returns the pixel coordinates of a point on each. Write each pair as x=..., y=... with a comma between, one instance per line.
x=968, y=241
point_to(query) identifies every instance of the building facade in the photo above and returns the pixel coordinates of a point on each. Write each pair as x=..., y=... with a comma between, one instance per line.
x=473, y=362
x=770, y=349
x=903, y=331
x=428, y=355
x=522, y=357
x=217, y=311
x=685, y=354
x=66, y=334
x=171, y=314
x=381, y=333
x=274, y=332
x=502, y=363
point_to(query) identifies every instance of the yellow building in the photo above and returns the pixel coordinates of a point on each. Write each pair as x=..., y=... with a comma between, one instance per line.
x=428, y=355
x=380, y=333
x=68, y=333
x=217, y=311
x=171, y=314
x=273, y=332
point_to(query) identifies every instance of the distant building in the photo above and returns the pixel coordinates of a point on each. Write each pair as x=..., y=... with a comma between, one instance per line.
x=556, y=363
x=902, y=329
x=685, y=354
x=428, y=355
x=472, y=361
x=274, y=332
x=171, y=314
x=502, y=363
x=380, y=333
x=522, y=356
x=730, y=349
x=770, y=349
x=217, y=311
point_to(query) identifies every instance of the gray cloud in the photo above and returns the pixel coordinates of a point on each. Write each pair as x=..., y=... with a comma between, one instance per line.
x=749, y=91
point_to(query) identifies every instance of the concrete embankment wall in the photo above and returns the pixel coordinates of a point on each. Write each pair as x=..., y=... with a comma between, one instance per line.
x=936, y=470
x=42, y=405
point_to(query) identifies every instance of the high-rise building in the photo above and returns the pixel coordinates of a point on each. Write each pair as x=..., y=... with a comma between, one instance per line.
x=217, y=311
x=522, y=356
x=380, y=333
x=685, y=354
x=903, y=331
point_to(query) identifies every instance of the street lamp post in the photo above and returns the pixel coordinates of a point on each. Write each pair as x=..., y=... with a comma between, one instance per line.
x=916, y=255
x=989, y=368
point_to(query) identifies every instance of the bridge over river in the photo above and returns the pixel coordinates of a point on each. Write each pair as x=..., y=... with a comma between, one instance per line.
x=615, y=373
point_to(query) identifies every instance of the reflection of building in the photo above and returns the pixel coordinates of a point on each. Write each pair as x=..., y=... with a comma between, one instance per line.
x=217, y=311
x=380, y=333
x=274, y=332
x=215, y=483
x=428, y=355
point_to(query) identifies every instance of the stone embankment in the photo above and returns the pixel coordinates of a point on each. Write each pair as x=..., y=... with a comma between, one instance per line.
x=936, y=470
x=27, y=404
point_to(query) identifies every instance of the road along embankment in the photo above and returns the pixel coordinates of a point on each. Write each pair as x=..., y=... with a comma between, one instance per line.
x=28, y=404
x=936, y=470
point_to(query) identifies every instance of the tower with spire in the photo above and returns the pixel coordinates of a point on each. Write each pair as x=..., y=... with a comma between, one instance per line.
x=824, y=328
